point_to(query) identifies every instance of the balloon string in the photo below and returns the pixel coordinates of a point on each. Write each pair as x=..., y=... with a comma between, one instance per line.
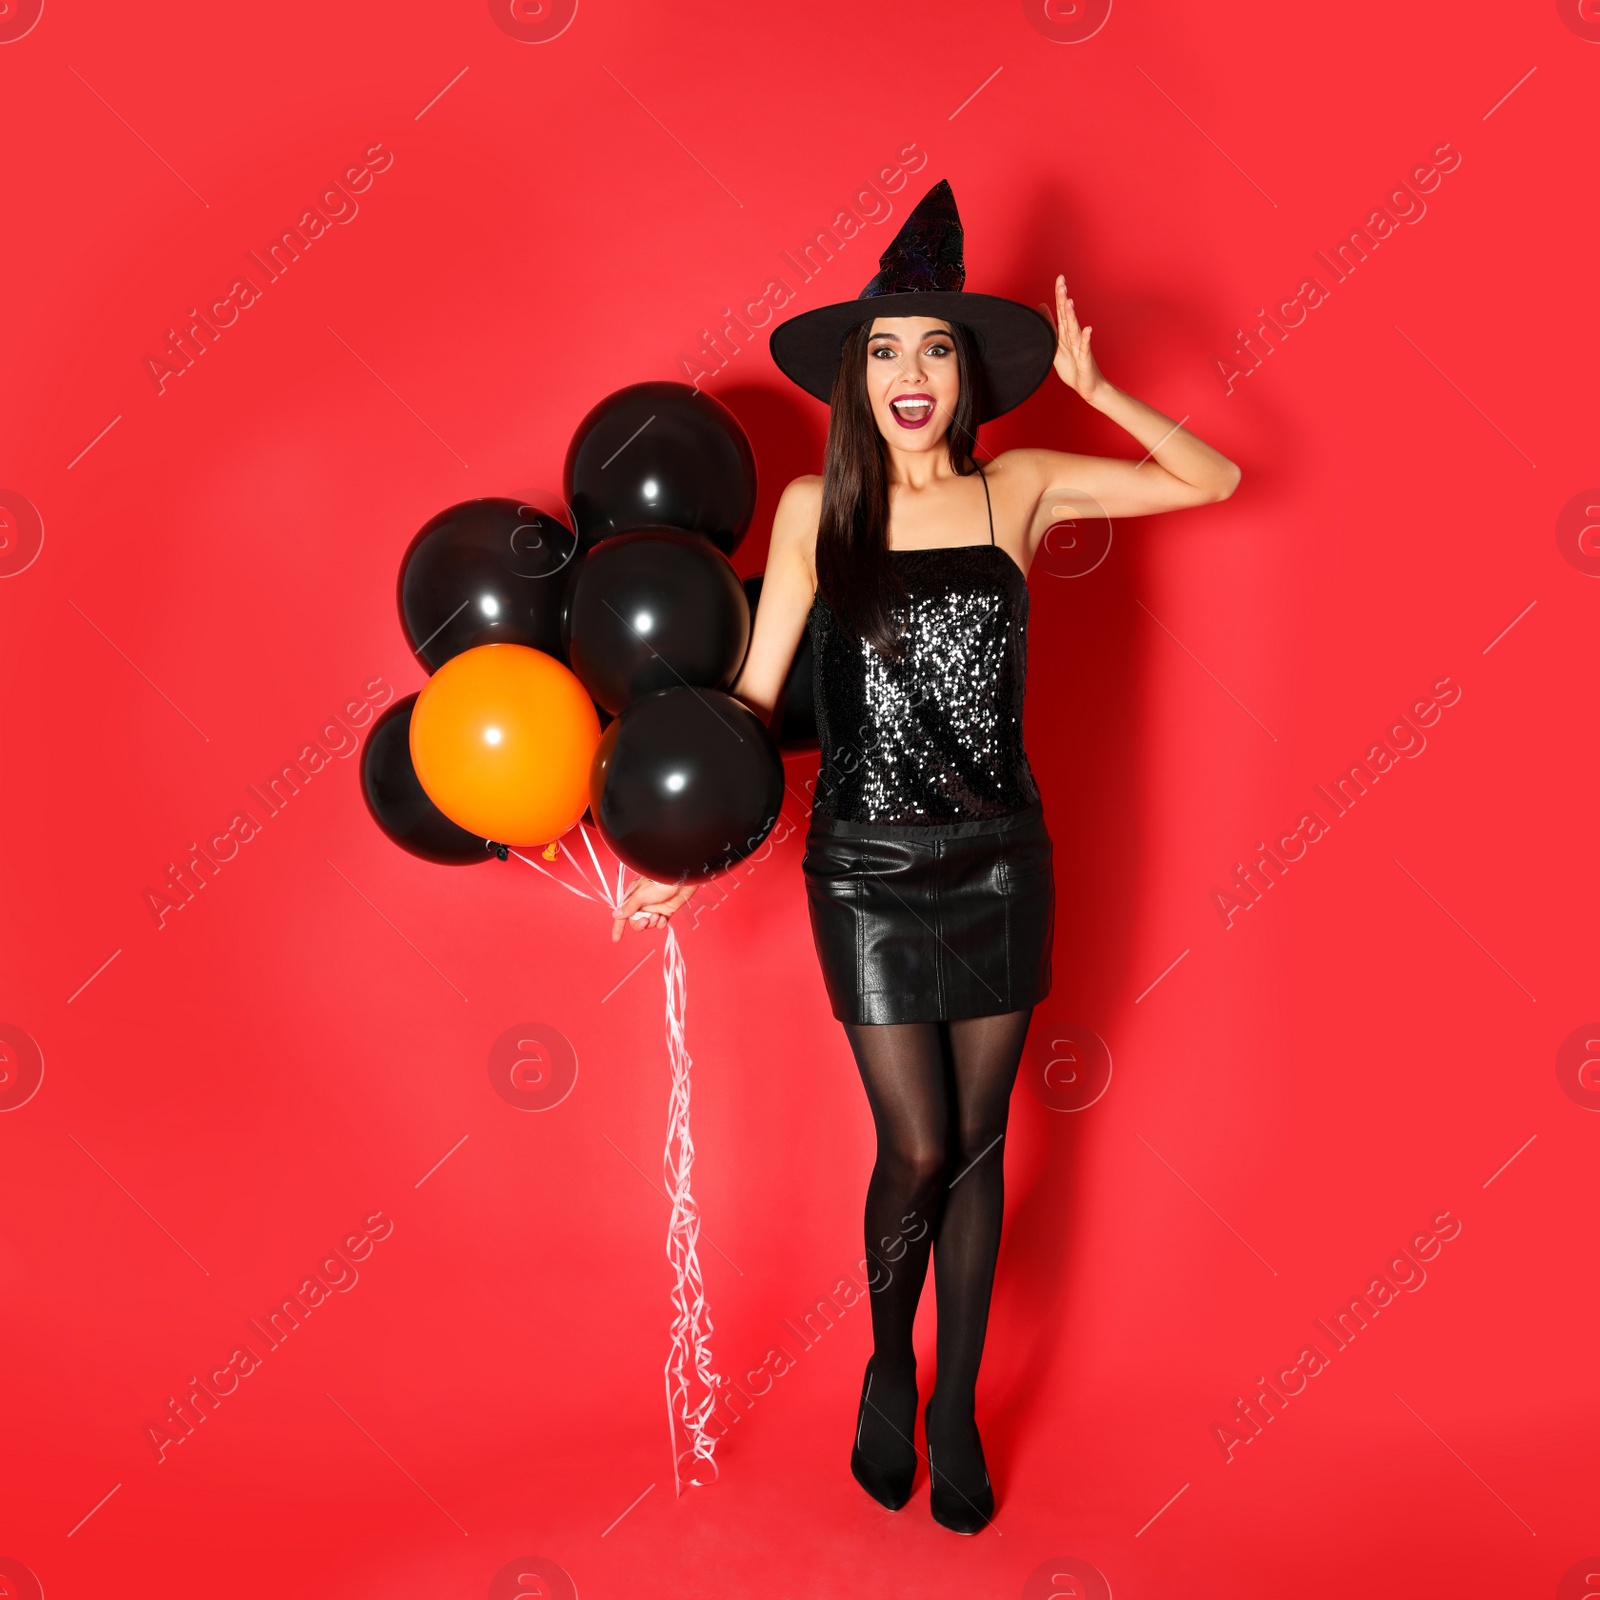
x=598, y=872
x=691, y=1380
x=582, y=894
x=689, y=1371
x=575, y=861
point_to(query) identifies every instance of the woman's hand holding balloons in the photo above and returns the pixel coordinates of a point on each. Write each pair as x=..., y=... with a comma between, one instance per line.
x=648, y=904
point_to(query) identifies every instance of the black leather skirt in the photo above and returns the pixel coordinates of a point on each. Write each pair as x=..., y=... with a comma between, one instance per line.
x=926, y=923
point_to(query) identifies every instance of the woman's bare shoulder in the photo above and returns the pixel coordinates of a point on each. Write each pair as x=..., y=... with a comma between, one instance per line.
x=799, y=511
x=804, y=492
x=1020, y=469
x=1033, y=471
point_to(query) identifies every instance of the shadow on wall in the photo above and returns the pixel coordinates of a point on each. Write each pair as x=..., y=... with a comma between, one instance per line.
x=787, y=432
x=1087, y=644
x=1082, y=737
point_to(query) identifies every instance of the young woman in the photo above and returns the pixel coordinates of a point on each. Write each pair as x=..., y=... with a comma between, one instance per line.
x=928, y=865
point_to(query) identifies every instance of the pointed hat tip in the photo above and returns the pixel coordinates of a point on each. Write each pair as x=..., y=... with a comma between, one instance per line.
x=926, y=253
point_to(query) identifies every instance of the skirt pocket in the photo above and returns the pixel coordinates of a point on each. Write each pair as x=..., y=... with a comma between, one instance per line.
x=1030, y=900
x=974, y=947
x=873, y=919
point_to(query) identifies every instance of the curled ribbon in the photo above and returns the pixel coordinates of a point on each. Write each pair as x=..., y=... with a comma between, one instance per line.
x=691, y=1380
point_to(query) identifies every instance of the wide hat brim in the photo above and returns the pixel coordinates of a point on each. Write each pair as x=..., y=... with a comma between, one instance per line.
x=1015, y=345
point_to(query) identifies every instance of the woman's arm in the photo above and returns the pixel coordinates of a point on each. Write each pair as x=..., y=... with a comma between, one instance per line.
x=1177, y=470
x=787, y=589
x=786, y=592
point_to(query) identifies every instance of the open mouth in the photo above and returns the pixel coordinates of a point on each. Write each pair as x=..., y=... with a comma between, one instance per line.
x=912, y=410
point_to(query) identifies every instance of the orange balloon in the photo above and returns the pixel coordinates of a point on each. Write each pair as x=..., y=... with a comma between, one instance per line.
x=502, y=739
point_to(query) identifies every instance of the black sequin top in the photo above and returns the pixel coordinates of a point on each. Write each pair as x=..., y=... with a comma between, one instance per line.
x=937, y=735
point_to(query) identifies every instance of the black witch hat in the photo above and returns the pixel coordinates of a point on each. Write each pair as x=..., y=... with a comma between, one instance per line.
x=921, y=275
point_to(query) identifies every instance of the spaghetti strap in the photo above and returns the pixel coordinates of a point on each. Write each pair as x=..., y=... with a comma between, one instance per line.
x=987, y=502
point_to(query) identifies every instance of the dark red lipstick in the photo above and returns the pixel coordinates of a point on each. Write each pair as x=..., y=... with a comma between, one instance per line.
x=913, y=421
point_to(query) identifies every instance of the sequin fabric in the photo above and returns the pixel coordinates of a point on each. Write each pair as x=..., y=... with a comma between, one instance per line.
x=937, y=735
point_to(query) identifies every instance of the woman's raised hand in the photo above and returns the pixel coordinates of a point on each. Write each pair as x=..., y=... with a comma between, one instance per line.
x=648, y=904
x=1074, y=364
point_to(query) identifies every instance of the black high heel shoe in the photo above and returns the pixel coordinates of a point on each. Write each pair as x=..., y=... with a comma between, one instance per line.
x=889, y=1485
x=961, y=1510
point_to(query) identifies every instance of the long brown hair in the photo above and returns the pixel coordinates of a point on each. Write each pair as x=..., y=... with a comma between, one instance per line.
x=854, y=573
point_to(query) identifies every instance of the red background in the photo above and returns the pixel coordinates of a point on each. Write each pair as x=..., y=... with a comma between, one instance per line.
x=300, y=1046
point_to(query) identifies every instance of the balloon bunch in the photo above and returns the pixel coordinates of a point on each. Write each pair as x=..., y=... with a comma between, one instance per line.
x=534, y=632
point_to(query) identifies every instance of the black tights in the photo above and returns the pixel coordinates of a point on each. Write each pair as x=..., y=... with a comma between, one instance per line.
x=940, y=1093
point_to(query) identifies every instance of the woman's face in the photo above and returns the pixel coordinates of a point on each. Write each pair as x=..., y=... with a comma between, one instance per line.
x=912, y=380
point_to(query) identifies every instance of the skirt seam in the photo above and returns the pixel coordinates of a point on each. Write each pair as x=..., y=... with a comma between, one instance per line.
x=1006, y=894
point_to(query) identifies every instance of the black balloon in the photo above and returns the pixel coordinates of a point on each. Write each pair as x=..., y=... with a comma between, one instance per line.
x=685, y=783
x=656, y=610
x=666, y=454
x=489, y=571
x=397, y=801
x=797, y=704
